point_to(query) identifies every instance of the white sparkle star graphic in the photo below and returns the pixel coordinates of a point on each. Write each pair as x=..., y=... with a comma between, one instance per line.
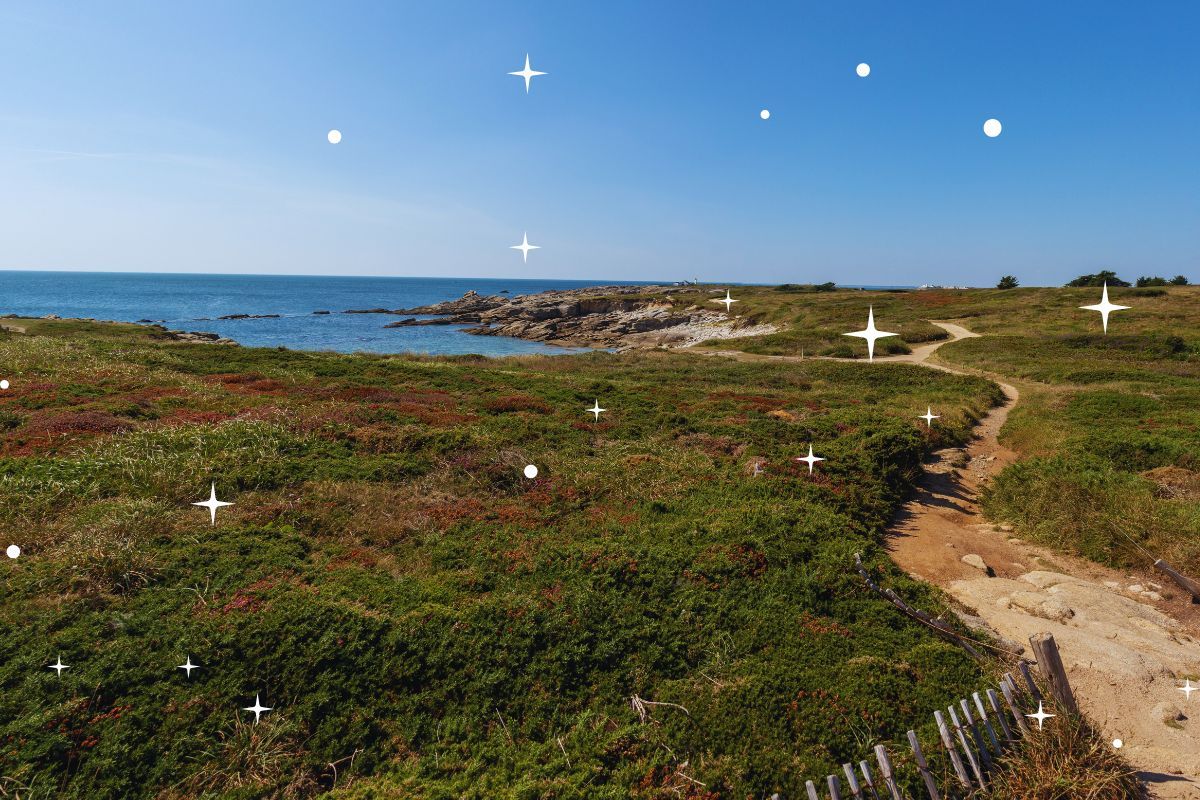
x=58, y=666
x=596, y=409
x=187, y=666
x=870, y=333
x=810, y=459
x=212, y=504
x=527, y=73
x=727, y=300
x=258, y=708
x=525, y=247
x=1104, y=307
x=1041, y=716
x=929, y=417
x=1187, y=689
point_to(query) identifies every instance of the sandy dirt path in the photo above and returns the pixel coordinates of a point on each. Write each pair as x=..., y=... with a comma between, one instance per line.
x=1126, y=638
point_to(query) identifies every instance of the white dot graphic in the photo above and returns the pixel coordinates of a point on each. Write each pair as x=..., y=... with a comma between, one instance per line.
x=765, y=114
x=3, y=384
x=334, y=136
x=13, y=551
x=992, y=128
x=531, y=471
x=1117, y=743
x=863, y=69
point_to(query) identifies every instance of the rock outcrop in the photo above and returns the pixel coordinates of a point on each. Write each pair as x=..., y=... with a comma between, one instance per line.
x=620, y=317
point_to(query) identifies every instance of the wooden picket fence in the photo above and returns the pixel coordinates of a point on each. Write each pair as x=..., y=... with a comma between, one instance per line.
x=973, y=734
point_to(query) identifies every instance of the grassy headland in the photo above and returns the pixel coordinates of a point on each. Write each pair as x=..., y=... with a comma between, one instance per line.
x=423, y=619
x=1109, y=425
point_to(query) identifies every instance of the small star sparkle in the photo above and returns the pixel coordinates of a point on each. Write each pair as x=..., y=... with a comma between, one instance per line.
x=525, y=247
x=212, y=504
x=727, y=300
x=1104, y=307
x=1041, y=716
x=258, y=708
x=810, y=459
x=870, y=333
x=596, y=409
x=187, y=666
x=929, y=417
x=58, y=666
x=1187, y=689
x=527, y=73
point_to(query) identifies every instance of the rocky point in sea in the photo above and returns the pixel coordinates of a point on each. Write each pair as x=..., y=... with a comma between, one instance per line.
x=618, y=317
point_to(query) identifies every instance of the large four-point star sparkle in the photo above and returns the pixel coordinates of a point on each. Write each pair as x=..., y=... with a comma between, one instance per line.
x=1104, y=307
x=258, y=708
x=810, y=459
x=525, y=247
x=527, y=73
x=870, y=333
x=1041, y=716
x=727, y=300
x=212, y=504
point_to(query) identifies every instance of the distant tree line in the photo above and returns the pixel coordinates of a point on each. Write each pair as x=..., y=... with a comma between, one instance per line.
x=1106, y=276
x=1110, y=277
x=828, y=286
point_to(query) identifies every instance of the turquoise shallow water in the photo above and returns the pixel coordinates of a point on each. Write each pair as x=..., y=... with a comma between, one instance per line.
x=192, y=302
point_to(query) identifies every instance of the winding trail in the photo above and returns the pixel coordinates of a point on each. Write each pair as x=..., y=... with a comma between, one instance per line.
x=1125, y=639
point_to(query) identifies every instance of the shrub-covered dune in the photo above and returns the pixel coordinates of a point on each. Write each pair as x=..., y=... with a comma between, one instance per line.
x=424, y=620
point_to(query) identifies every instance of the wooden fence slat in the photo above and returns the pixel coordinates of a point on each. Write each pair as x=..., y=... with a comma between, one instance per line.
x=948, y=743
x=867, y=781
x=985, y=755
x=922, y=767
x=987, y=723
x=1034, y=691
x=995, y=704
x=962, y=739
x=852, y=779
x=885, y=769
x=1051, y=666
x=1009, y=690
x=812, y=791
x=835, y=787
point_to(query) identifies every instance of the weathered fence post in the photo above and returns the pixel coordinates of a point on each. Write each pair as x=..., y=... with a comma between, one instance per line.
x=1051, y=667
x=995, y=704
x=987, y=723
x=852, y=779
x=985, y=755
x=870, y=784
x=922, y=767
x=885, y=768
x=835, y=787
x=948, y=743
x=962, y=739
x=1186, y=583
x=1034, y=691
x=812, y=791
x=1009, y=689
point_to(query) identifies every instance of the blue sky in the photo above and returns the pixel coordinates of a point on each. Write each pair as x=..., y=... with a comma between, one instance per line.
x=190, y=136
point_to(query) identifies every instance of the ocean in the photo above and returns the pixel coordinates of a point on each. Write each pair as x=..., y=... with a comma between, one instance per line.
x=193, y=302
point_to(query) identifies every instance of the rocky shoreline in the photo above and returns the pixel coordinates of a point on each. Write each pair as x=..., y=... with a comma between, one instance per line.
x=616, y=317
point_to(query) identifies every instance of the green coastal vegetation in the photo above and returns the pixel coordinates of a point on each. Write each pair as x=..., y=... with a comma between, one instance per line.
x=425, y=621
x=1108, y=425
